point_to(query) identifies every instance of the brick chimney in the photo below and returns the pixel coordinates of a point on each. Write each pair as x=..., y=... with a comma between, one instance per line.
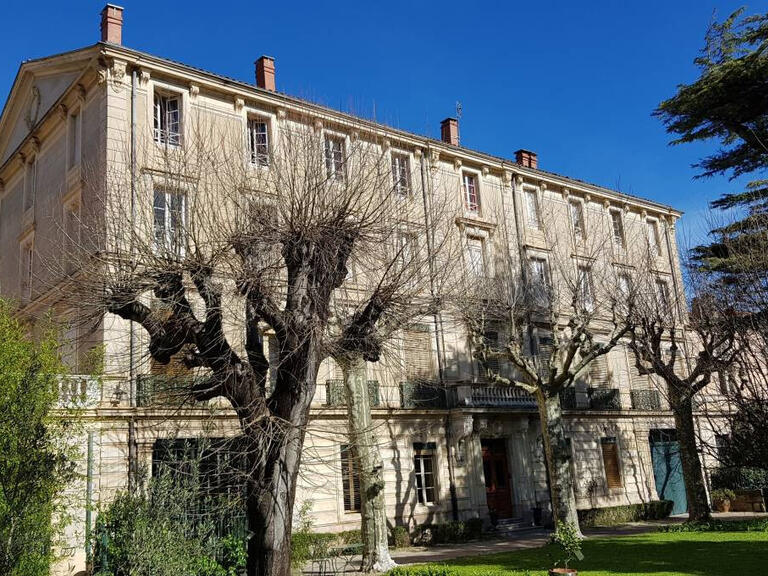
x=527, y=158
x=449, y=131
x=265, y=73
x=112, y=24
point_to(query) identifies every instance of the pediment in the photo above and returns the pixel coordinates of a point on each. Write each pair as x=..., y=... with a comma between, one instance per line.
x=38, y=86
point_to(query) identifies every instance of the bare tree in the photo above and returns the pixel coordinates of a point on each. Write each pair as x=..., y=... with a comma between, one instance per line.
x=207, y=242
x=559, y=309
x=684, y=349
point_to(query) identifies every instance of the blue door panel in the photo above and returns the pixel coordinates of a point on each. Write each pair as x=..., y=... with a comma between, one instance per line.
x=668, y=472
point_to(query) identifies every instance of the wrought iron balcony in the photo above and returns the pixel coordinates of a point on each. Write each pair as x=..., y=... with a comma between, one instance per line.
x=604, y=398
x=645, y=399
x=491, y=396
x=163, y=391
x=335, y=396
x=422, y=395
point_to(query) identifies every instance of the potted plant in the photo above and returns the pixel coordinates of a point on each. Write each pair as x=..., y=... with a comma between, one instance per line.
x=568, y=540
x=722, y=498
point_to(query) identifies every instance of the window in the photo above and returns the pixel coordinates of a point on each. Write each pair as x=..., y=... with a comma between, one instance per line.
x=476, y=256
x=350, y=479
x=71, y=235
x=74, y=140
x=30, y=184
x=585, y=290
x=168, y=119
x=532, y=209
x=491, y=340
x=25, y=273
x=654, y=242
x=471, y=198
x=617, y=225
x=169, y=222
x=539, y=280
x=577, y=219
x=258, y=141
x=424, y=470
x=401, y=174
x=625, y=285
x=662, y=293
x=334, y=157
x=610, y=449
x=417, y=352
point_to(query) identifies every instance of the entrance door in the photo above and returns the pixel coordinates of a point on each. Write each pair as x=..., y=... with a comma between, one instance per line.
x=668, y=469
x=498, y=491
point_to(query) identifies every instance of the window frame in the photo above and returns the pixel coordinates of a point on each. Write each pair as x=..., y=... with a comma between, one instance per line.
x=470, y=180
x=478, y=241
x=350, y=477
x=255, y=158
x=401, y=180
x=163, y=92
x=663, y=295
x=169, y=245
x=614, y=441
x=30, y=185
x=335, y=169
x=74, y=138
x=26, y=267
x=532, y=216
x=423, y=451
x=580, y=230
x=72, y=211
x=585, y=285
x=654, y=236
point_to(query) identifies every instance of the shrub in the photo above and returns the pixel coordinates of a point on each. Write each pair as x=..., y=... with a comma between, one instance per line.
x=450, y=532
x=400, y=537
x=740, y=479
x=756, y=525
x=723, y=494
x=440, y=570
x=616, y=515
x=568, y=540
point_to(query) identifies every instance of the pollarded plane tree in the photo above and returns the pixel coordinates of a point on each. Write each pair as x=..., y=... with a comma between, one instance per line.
x=555, y=311
x=208, y=240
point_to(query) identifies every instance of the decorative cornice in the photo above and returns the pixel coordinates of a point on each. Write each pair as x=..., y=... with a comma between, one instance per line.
x=281, y=113
x=194, y=90
x=239, y=104
x=144, y=77
x=485, y=170
x=457, y=163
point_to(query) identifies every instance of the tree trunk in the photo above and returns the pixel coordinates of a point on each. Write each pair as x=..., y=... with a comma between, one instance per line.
x=693, y=475
x=274, y=459
x=376, y=556
x=558, y=460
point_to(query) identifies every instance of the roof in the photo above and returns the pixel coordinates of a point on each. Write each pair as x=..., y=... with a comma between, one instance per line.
x=138, y=54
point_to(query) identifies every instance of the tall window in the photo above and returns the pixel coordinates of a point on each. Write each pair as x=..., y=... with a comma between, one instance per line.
x=617, y=225
x=471, y=198
x=476, y=256
x=539, y=280
x=424, y=470
x=625, y=285
x=258, y=141
x=26, y=268
x=532, y=209
x=350, y=479
x=334, y=157
x=30, y=184
x=169, y=222
x=401, y=174
x=610, y=449
x=168, y=119
x=491, y=340
x=71, y=235
x=577, y=219
x=662, y=293
x=74, y=140
x=585, y=289
x=654, y=242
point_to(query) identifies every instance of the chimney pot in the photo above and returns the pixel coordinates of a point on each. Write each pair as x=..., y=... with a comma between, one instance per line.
x=527, y=158
x=449, y=131
x=265, y=73
x=112, y=24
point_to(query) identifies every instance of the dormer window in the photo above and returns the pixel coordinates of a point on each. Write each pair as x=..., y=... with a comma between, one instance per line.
x=168, y=119
x=471, y=195
x=258, y=141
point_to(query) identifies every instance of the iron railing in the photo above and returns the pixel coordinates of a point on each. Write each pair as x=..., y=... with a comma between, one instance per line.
x=335, y=396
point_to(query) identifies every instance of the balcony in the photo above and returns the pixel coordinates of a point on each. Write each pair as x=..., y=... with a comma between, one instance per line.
x=649, y=400
x=480, y=396
x=422, y=395
x=161, y=390
x=335, y=396
x=590, y=399
x=79, y=391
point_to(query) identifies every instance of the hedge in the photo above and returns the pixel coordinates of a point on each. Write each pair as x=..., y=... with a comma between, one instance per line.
x=450, y=532
x=616, y=515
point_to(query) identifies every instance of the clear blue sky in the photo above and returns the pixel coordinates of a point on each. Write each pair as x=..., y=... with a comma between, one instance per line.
x=575, y=83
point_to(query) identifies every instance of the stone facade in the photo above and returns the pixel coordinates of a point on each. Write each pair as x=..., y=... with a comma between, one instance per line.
x=74, y=113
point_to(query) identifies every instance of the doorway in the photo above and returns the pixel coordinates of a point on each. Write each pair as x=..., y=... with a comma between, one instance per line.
x=668, y=468
x=498, y=488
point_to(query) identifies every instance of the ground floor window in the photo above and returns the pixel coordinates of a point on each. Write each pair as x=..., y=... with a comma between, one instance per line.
x=424, y=469
x=350, y=479
x=610, y=449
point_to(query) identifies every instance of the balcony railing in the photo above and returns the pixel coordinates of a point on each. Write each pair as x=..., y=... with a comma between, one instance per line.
x=479, y=396
x=79, y=391
x=335, y=396
x=422, y=395
x=163, y=390
x=645, y=400
x=604, y=398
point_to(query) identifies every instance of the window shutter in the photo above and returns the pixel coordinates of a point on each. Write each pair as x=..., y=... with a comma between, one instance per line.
x=418, y=354
x=610, y=449
x=599, y=375
x=350, y=479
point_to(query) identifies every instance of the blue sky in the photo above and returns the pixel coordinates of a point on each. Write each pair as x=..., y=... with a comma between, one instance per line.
x=576, y=83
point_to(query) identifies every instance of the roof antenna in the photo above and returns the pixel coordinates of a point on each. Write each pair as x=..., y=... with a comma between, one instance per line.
x=459, y=110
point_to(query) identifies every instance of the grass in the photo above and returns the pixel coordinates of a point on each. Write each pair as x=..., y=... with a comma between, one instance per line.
x=660, y=554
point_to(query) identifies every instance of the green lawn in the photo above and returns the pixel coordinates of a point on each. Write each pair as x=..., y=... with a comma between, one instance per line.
x=662, y=554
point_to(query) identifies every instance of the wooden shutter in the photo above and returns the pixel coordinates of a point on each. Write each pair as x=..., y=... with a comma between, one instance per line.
x=350, y=479
x=544, y=346
x=599, y=375
x=610, y=448
x=417, y=347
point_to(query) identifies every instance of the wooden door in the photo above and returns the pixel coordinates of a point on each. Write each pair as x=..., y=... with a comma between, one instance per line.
x=498, y=488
